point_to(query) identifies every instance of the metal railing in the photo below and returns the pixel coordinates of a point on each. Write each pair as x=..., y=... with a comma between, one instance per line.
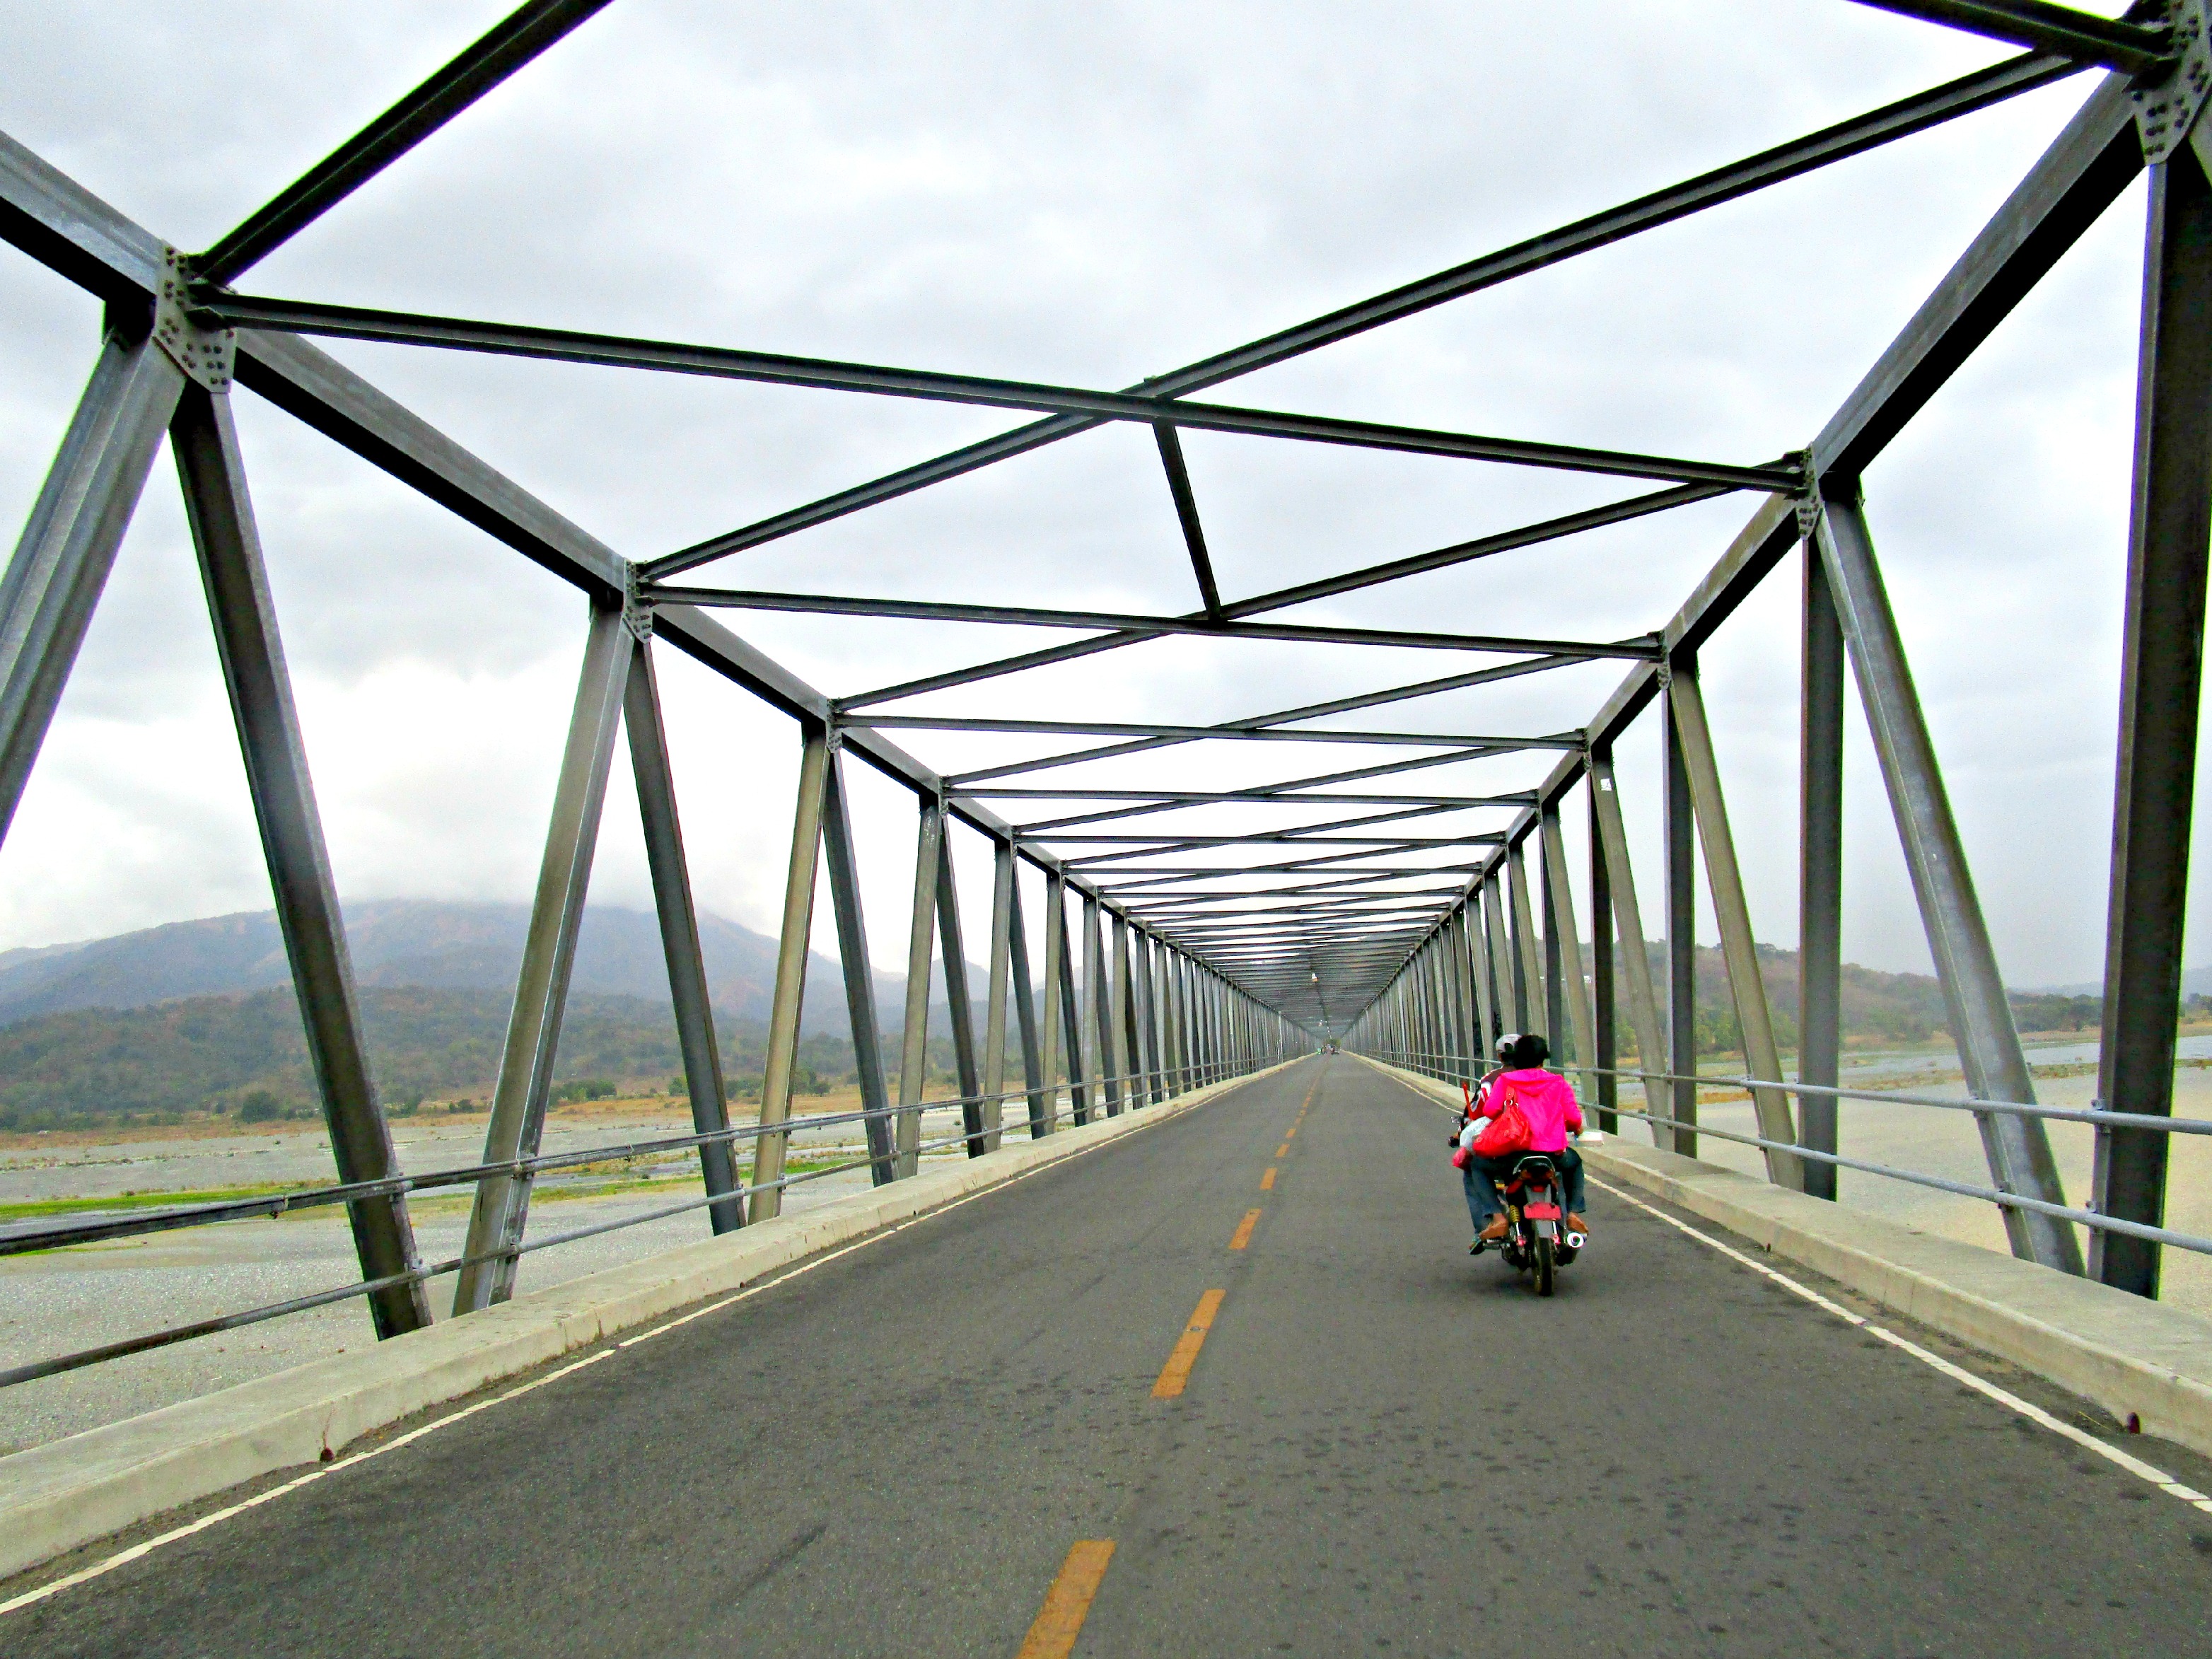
x=1159, y=1085
x=1453, y=1072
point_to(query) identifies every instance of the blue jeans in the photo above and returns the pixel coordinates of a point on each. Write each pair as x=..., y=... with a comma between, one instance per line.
x=1482, y=1176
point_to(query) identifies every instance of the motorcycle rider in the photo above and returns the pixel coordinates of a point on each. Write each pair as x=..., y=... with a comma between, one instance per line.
x=1472, y=1117
x=1548, y=1102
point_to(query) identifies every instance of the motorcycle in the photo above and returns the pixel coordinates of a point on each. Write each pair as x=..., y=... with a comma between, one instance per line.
x=1537, y=1241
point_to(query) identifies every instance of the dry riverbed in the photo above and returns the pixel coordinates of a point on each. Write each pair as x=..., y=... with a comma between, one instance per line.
x=60, y=1301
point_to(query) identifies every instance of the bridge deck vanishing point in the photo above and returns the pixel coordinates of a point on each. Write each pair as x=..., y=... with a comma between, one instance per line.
x=1382, y=1447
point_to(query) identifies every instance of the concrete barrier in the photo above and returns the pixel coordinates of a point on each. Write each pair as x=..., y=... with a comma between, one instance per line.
x=2136, y=1359
x=56, y=1497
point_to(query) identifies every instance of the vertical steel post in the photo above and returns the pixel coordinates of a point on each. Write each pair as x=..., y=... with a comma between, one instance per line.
x=854, y=967
x=913, y=1032
x=960, y=1012
x=1732, y=911
x=1036, y=1076
x=1981, y=1018
x=1555, y=1012
x=1511, y=1014
x=1528, y=972
x=1605, y=1044
x=1561, y=915
x=1679, y=830
x=228, y=542
x=2162, y=662
x=69, y=541
x=1611, y=835
x=549, y=952
x=1486, y=1012
x=1079, y=1097
x=693, y=1004
x=1102, y=1020
x=1148, y=1009
x=994, y=1004
x=1820, y=873
x=1126, y=1065
x=791, y=960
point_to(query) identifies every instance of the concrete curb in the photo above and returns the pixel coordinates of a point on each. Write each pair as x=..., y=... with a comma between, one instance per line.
x=2136, y=1359
x=56, y=1497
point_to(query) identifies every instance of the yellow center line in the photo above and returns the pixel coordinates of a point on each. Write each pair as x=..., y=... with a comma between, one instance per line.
x=1283, y=1151
x=1244, y=1233
x=1268, y=1182
x=1177, y=1371
x=1067, y=1604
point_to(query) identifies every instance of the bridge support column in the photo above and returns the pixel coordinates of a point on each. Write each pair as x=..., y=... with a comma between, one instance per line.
x=921, y=942
x=1064, y=1020
x=1560, y=912
x=1820, y=873
x=959, y=1004
x=1527, y=968
x=1724, y=881
x=689, y=998
x=1512, y=1016
x=791, y=957
x=1099, y=993
x=2162, y=657
x=228, y=542
x=1681, y=878
x=1981, y=1018
x=549, y=952
x=68, y=545
x=1605, y=1046
x=860, y=978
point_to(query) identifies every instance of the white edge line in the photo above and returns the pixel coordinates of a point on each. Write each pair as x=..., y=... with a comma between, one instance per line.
x=1981, y=1385
x=124, y=1558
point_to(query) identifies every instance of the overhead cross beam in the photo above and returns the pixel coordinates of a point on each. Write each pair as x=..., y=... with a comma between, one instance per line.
x=513, y=42
x=564, y=345
x=2116, y=42
x=1755, y=172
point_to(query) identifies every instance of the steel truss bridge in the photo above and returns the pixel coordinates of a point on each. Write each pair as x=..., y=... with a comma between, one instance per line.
x=1174, y=955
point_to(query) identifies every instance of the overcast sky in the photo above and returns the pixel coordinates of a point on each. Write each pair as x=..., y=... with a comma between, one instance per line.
x=1084, y=195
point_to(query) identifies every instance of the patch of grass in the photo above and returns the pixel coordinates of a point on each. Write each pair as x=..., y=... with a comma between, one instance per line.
x=29, y=1209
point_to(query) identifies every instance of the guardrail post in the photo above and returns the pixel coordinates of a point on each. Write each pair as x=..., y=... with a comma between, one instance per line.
x=549, y=952
x=791, y=962
x=688, y=997
x=1981, y=1017
x=855, y=969
x=959, y=1004
x=68, y=543
x=1679, y=830
x=228, y=544
x=1820, y=874
x=2161, y=671
x=1725, y=882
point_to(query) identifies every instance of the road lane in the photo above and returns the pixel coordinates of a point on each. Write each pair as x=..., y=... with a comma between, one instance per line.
x=1381, y=1446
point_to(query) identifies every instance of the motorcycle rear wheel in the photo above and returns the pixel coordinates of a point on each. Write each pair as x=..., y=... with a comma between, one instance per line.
x=1544, y=1265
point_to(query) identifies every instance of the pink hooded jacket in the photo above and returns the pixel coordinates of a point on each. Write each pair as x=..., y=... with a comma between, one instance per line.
x=1548, y=1101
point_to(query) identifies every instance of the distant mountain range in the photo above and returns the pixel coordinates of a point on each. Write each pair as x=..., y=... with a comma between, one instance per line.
x=419, y=943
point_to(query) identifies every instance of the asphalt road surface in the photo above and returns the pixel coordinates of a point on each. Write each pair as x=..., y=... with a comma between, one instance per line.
x=923, y=1446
